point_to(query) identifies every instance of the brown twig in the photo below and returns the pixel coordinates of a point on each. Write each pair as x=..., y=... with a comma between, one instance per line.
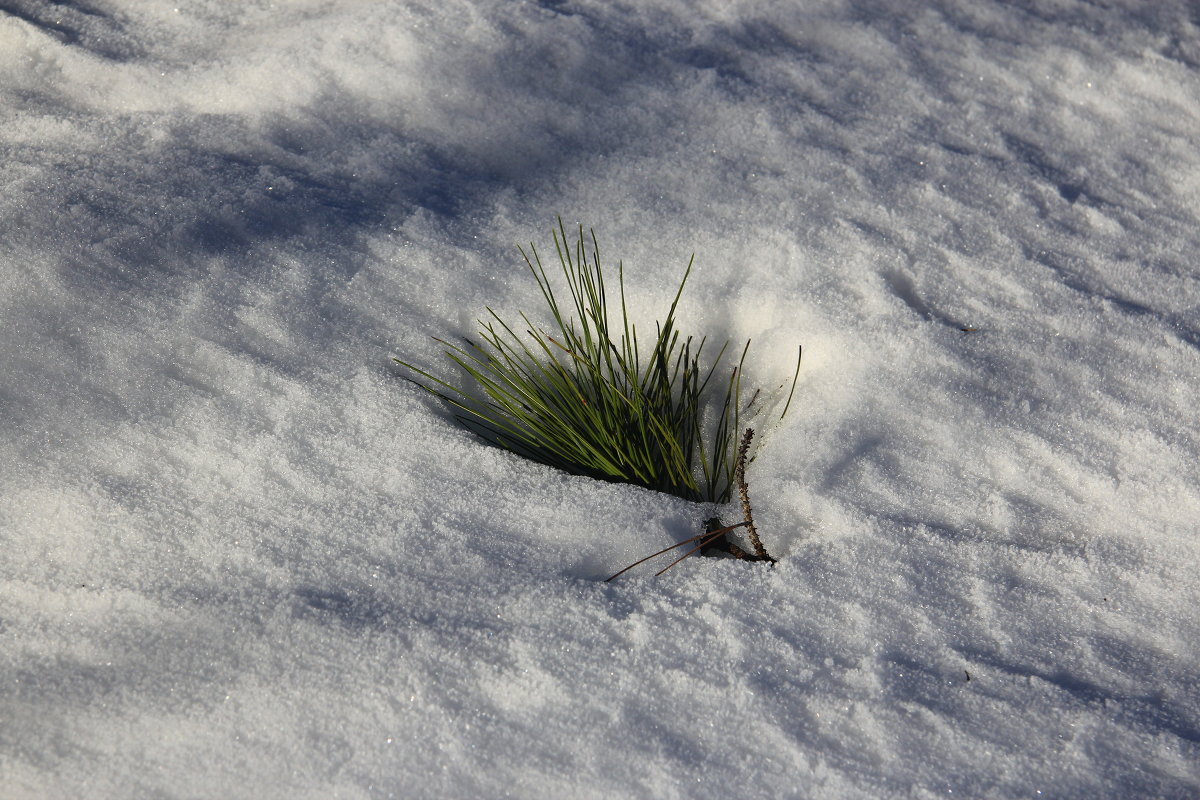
x=722, y=544
x=707, y=537
x=739, y=475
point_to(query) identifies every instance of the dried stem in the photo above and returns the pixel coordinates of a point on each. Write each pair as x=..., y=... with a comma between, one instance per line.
x=704, y=539
x=739, y=475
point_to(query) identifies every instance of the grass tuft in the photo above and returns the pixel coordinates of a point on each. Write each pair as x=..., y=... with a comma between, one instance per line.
x=589, y=397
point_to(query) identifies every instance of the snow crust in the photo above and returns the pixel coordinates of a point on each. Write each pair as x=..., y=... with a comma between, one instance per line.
x=240, y=557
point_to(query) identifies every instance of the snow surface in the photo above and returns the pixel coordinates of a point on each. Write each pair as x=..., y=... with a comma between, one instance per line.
x=239, y=557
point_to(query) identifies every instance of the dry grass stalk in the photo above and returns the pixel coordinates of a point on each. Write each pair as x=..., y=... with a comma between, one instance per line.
x=739, y=476
x=704, y=540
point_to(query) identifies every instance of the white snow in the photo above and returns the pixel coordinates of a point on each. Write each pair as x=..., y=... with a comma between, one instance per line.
x=240, y=557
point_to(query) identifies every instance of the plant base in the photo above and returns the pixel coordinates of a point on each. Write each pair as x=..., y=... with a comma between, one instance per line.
x=723, y=547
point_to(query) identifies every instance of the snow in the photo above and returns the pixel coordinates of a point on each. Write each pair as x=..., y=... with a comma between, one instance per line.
x=239, y=557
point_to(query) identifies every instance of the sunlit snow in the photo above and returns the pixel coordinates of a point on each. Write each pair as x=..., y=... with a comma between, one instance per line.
x=241, y=557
